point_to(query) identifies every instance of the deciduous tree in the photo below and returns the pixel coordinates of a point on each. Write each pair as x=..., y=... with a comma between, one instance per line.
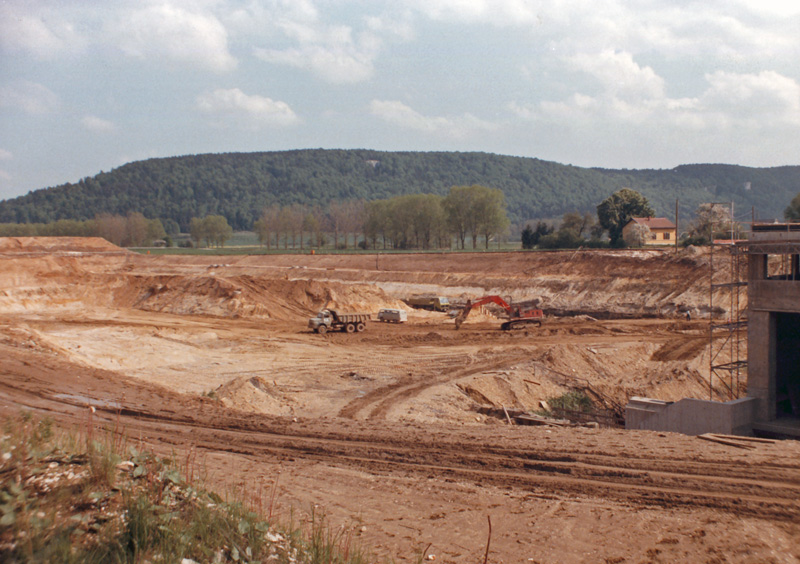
x=617, y=210
x=712, y=221
x=637, y=235
x=792, y=211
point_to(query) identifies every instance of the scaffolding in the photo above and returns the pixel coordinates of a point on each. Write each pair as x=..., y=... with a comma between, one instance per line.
x=727, y=339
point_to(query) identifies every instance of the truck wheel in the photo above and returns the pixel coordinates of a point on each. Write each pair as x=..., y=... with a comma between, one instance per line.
x=350, y=328
x=360, y=327
x=322, y=329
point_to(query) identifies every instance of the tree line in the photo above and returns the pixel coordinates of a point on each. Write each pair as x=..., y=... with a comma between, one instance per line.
x=132, y=230
x=238, y=186
x=411, y=221
x=710, y=221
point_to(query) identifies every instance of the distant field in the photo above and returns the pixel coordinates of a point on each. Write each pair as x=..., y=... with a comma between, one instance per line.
x=256, y=250
x=246, y=243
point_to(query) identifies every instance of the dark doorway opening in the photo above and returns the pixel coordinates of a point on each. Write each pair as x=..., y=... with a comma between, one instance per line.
x=787, y=364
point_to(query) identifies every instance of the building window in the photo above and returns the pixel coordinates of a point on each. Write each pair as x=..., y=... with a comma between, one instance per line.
x=666, y=236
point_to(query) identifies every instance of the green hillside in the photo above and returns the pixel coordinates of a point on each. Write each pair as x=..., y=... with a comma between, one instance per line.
x=239, y=185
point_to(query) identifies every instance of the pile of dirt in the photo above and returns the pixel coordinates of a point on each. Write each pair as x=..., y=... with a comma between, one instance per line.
x=668, y=371
x=247, y=296
x=253, y=395
x=33, y=282
x=52, y=245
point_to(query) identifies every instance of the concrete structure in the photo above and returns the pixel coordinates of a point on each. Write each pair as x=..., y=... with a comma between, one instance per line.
x=691, y=416
x=662, y=230
x=773, y=335
x=772, y=406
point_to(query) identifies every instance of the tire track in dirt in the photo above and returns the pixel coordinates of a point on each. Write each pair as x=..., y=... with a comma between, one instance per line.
x=762, y=491
x=377, y=403
x=518, y=461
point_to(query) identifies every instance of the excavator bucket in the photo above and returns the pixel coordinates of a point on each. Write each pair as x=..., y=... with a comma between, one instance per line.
x=462, y=316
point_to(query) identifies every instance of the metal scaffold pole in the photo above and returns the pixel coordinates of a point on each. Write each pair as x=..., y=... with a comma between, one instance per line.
x=726, y=337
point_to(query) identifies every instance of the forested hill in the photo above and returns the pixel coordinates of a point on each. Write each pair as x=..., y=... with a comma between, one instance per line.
x=239, y=185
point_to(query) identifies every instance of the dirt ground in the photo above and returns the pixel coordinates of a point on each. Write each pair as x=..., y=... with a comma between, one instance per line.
x=394, y=433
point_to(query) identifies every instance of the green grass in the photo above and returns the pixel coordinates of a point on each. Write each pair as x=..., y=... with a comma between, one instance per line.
x=246, y=243
x=572, y=401
x=258, y=250
x=89, y=497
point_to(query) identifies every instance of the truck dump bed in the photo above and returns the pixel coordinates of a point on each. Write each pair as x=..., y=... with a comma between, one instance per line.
x=353, y=317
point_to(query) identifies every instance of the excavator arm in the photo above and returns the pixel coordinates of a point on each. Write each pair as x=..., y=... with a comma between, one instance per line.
x=485, y=300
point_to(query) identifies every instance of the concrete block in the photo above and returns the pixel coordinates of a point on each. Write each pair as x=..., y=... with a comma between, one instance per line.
x=692, y=416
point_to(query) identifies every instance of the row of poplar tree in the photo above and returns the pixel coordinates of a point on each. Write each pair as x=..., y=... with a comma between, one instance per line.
x=419, y=221
x=412, y=221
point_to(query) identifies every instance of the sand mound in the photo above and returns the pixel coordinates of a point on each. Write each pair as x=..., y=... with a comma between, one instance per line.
x=11, y=245
x=247, y=296
x=254, y=395
x=39, y=274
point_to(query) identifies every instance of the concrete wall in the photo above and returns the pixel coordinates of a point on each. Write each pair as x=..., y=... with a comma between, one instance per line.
x=761, y=363
x=774, y=295
x=692, y=416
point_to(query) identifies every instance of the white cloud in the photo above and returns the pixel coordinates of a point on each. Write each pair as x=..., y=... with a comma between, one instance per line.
x=730, y=30
x=619, y=74
x=176, y=33
x=766, y=99
x=246, y=110
x=30, y=97
x=754, y=101
x=783, y=8
x=400, y=114
x=398, y=25
x=496, y=12
x=96, y=124
x=330, y=52
x=40, y=31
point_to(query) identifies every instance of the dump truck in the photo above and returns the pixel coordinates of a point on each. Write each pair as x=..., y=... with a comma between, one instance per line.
x=330, y=320
x=432, y=303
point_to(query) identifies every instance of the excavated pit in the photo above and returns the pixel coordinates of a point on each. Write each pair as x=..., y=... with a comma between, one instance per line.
x=398, y=434
x=226, y=330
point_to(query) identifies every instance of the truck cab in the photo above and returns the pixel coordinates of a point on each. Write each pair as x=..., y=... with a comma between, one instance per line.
x=325, y=317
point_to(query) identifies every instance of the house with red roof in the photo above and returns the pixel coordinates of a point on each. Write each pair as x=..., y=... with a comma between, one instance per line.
x=662, y=230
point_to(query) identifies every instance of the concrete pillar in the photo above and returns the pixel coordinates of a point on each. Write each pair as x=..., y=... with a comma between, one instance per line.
x=756, y=267
x=761, y=334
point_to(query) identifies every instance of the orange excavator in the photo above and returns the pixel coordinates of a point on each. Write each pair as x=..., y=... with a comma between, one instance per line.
x=517, y=317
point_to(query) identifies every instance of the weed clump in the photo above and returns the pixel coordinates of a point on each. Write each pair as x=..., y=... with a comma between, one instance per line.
x=94, y=499
x=572, y=401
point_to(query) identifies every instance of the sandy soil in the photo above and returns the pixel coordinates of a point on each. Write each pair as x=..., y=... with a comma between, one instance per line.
x=394, y=433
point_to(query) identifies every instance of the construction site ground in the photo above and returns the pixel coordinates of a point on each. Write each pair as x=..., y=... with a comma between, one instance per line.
x=397, y=434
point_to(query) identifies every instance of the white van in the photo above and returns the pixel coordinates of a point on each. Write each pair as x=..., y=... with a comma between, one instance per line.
x=392, y=316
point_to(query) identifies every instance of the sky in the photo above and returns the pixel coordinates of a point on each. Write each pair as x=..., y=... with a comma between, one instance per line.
x=89, y=85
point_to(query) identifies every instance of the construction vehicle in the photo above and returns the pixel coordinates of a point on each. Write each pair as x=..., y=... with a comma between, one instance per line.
x=392, y=316
x=517, y=317
x=432, y=303
x=329, y=320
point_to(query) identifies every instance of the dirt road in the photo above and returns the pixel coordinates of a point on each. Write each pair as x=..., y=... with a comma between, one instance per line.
x=381, y=431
